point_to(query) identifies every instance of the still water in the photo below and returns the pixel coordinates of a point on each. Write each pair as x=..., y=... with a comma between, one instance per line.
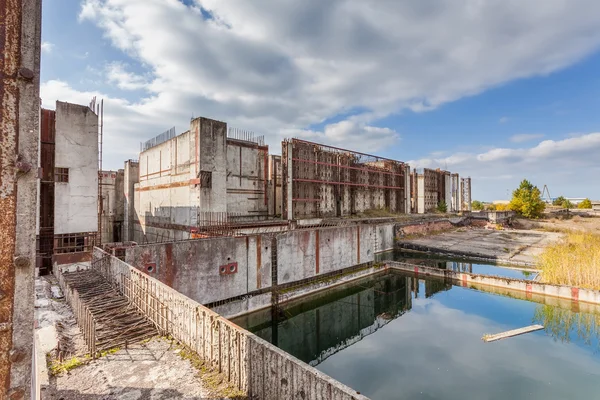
x=458, y=264
x=393, y=336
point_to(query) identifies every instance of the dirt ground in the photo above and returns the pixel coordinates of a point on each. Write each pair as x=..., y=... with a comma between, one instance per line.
x=563, y=221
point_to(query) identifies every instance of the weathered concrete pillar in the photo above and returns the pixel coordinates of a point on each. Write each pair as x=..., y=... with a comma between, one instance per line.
x=211, y=166
x=407, y=198
x=130, y=218
x=20, y=34
x=288, y=183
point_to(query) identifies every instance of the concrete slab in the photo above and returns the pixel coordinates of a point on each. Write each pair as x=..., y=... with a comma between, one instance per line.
x=521, y=246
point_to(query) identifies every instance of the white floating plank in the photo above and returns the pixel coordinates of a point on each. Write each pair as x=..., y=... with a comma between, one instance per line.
x=514, y=332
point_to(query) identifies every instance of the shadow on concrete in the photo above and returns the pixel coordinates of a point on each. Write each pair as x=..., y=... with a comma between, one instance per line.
x=130, y=393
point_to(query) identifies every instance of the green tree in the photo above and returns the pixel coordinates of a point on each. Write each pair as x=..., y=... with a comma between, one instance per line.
x=442, y=207
x=585, y=204
x=527, y=200
x=567, y=204
x=478, y=205
x=558, y=201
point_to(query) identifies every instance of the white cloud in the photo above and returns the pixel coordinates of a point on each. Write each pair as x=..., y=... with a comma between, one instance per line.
x=47, y=47
x=350, y=134
x=525, y=137
x=564, y=165
x=503, y=120
x=277, y=67
x=116, y=73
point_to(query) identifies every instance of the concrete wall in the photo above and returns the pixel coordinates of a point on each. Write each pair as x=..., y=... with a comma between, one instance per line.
x=76, y=202
x=322, y=181
x=275, y=186
x=193, y=267
x=197, y=174
x=529, y=287
x=303, y=254
x=422, y=228
x=448, y=191
x=249, y=363
x=130, y=217
x=420, y=193
x=247, y=178
x=113, y=204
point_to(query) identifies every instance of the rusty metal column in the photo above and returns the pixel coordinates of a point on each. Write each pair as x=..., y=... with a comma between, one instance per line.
x=20, y=34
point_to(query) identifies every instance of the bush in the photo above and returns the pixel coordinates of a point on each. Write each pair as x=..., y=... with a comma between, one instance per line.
x=502, y=207
x=585, y=204
x=558, y=201
x=477, y=205
x=527, y=200
x=573, y=261
x=442, y=207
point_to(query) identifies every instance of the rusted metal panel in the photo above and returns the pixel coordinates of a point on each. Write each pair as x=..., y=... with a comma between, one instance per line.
x=19, y=124
x=10, y=17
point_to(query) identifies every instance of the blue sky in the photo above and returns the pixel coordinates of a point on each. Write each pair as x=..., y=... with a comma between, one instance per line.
x=495, y=90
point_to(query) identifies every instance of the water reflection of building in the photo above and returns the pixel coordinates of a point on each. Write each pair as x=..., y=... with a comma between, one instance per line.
x=459, y=266
x=318, y=328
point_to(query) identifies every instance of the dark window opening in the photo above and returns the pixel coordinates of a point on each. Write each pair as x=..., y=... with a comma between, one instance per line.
x=61, y=175
x=206, y=179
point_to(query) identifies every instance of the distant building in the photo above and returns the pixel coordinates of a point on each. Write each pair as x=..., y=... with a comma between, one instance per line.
x=68, y=212
x=596, y=205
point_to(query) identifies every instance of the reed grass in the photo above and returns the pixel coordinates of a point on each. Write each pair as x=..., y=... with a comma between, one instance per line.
x=573, y=261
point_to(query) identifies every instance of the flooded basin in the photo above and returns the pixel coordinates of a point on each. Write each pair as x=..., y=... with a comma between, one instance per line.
x=394, y=336
x=458, y=264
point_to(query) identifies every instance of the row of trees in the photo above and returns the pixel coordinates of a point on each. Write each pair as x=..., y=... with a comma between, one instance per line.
x=527, y=202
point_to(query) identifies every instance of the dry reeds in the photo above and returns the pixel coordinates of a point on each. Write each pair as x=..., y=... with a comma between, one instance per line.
x=574, y=261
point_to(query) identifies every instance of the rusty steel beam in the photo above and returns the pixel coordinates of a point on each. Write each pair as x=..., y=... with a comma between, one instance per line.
x=20, y=35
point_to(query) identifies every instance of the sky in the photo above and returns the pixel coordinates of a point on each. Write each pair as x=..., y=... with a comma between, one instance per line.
x=498, y=90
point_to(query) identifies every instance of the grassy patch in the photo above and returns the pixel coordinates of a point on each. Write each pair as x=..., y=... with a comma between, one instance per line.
x=58, y=368
x=214, y=381
x=573, y=261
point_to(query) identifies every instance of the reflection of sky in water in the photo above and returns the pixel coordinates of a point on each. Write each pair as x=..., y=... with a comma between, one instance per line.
x=475, y=267
x=431, y=348
x=435, y=351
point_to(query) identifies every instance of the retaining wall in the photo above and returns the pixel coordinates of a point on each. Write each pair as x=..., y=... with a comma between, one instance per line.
x=246, y=361
x=428, y=227
x=529, y=287
x=208, y=270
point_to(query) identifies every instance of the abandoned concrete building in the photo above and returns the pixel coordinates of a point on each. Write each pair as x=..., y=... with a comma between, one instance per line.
x=203, y=174
x=325, y=181
x=432, y=187
x=214, y=175
x=68, y=211
x=111, y=205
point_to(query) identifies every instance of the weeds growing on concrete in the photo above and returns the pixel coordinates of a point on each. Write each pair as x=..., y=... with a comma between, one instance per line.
x=213, y=380
x=57, y=368
x=573, y=261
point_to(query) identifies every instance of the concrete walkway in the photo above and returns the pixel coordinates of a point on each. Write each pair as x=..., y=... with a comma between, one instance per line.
x=153, y=370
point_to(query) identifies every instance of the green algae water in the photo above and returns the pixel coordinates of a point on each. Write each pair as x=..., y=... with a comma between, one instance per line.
x=394, y=336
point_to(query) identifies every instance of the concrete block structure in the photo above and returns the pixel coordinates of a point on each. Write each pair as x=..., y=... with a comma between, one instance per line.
x=68, y=216
x=325, y=181
x=430, y=187
x=112, y=205
x=204, y=174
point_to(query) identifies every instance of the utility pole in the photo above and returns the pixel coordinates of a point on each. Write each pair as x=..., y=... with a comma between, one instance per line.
x=20, y=35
